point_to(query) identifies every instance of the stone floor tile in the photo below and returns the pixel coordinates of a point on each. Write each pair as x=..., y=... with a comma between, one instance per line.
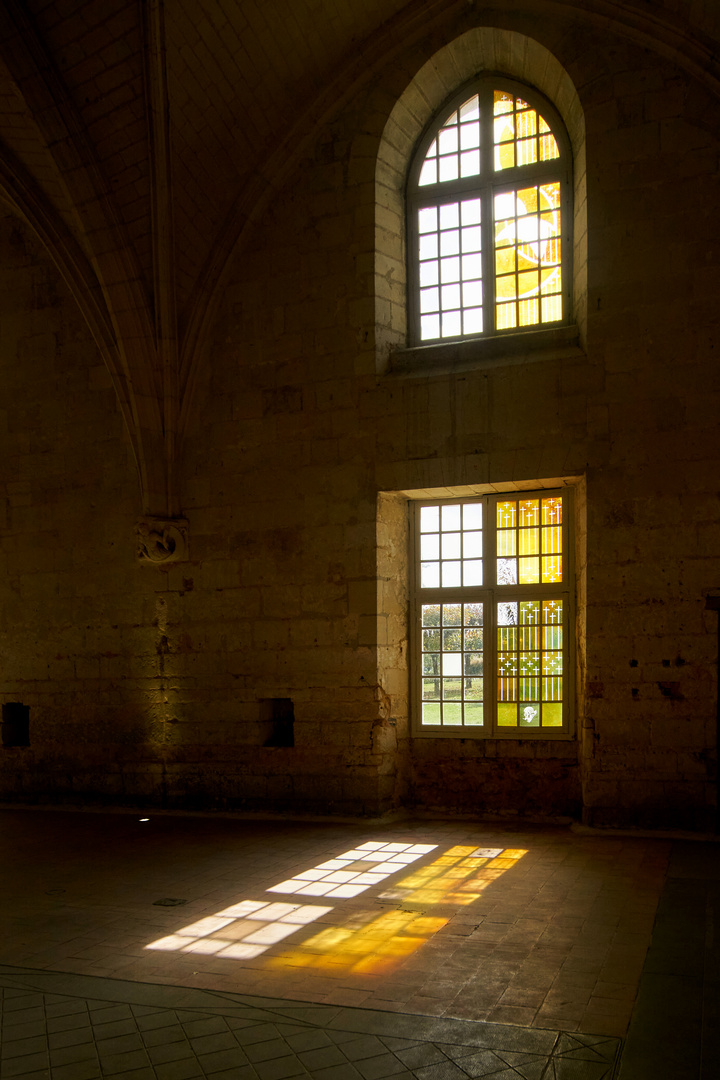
x=154, y=1020
x=280, y=1069
x=269, y=1048
x=74, y=1037
x=303, y=1039
x=78, y=1070
x=226, y=1059
x=422, y=1054
x=21, y=1047
x=124, y=1061
x=447, y=1070
x=246, y=1072
x=359, y=1048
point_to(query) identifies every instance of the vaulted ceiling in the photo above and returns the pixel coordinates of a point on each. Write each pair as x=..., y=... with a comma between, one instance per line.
x=137, y=138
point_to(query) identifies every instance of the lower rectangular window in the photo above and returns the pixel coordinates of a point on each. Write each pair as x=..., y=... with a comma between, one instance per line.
x=492, y=616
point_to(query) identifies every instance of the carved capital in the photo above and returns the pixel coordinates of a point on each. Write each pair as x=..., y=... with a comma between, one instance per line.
x=162, y=540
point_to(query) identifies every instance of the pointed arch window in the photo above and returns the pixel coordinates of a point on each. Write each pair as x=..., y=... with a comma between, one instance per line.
x=489, y=217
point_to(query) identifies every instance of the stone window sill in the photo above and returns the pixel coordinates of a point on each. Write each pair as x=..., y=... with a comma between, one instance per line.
x=499, y=350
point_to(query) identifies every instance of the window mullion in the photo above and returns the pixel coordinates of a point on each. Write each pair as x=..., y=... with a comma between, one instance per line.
x=487, y=168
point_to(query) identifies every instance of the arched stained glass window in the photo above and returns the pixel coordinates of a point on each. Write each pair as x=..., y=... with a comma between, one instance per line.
x=489, y=211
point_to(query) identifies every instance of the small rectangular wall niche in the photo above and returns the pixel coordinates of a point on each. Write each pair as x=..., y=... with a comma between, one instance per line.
x=15, y=724
x=277, y=719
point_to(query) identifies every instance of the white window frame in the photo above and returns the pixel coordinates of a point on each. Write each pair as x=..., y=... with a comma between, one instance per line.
x=485, y=186
x=490, y=594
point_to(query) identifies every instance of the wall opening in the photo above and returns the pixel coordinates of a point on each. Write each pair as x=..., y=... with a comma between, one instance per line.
x=277, y=721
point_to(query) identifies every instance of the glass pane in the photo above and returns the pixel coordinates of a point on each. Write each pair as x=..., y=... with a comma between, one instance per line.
x=431, y=615
x=429, y=327
x=473, y=614
x=552, y=511
x=552, y=715
x=449, y=216
x=507, y=715
x=472, y=545
x=431, y=689
x=472, y=516
x=451, y=324
x=472, y=572
x=473, y=661
x=529, y=571
x=429, y=518
x=428, y=219
x=452, y=715
x=451, y=545
x=430, y=575
x=453, y=674
x=451, y=575
x=507, y=614
x=451, y=518
x=429, y=546
x=507, y=571
x=452, y=663
x=452, y=615
x=473, y=715
x=530, y=715
x=431, y=714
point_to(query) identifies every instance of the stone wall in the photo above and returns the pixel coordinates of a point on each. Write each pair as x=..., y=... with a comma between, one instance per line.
x=171, y=685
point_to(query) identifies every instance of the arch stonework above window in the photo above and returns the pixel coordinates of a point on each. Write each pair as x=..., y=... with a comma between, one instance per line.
x=478, y=52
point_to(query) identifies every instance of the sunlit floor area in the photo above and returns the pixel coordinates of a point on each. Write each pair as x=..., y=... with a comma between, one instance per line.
x=172, y=947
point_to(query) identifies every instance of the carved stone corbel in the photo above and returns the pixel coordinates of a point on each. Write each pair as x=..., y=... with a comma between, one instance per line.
x=162, y=540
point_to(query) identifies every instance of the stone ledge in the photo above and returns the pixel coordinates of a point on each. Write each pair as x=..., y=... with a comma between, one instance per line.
x=500, y=350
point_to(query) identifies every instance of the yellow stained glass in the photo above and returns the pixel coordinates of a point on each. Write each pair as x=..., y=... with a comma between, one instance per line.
x=505, y=262
x=526, y=123
x=551, y=309
x=506, y=515
x=551, y=223
x=529, y=510
x=529, y=571
x=507, y=715
x=507, y=690
x=552, y=715
x=506, y=316
x=548, y=148
x=552, y=611
x=503, y=102
x=527, y=201
x=504, y=128
x=521, y=135
x=552, y=539
x=529, y=541
x=552, y=688
x=529, y=312
x=550, y=282
x=528, y=282
x=552, y=568
x=506, y=542
x=505, y=288
x=532, y=541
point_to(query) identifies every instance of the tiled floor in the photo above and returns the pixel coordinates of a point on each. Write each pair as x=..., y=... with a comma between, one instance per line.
x=190, y=946
x=103, y=1028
